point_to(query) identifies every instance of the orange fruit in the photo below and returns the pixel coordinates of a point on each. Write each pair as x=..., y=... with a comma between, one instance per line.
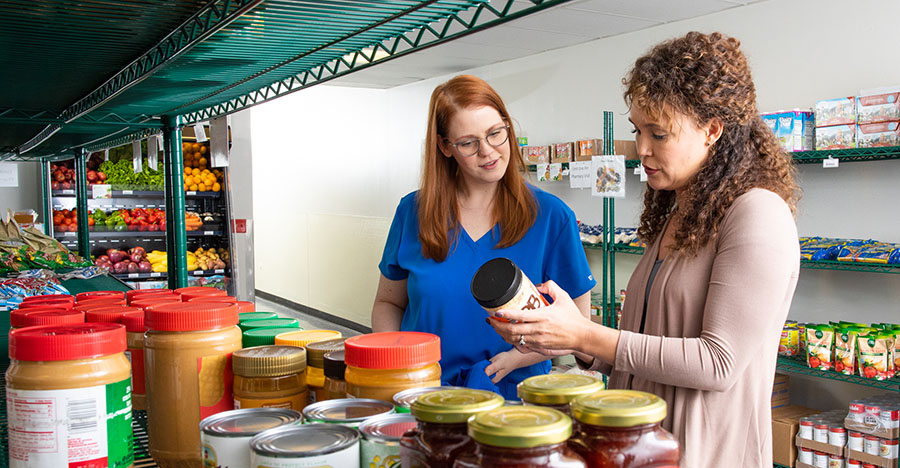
x=203, y=161
x=216, y=187
x=201, y=187
x=204, y=149
x=195, y=146
x=193, y=187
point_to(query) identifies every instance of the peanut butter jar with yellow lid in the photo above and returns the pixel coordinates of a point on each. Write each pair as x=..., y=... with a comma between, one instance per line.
x=68, y=396
x=187, y=355
x=270, y=377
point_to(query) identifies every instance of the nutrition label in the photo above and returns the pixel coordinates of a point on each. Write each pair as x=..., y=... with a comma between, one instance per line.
x=73, y=428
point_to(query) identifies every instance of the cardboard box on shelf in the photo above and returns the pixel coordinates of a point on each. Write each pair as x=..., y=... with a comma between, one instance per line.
x=536, y=154
x=878, y=108
x=819, y=446
x=871, y=459
x=562, y=152
x=785, y=424
x=836, y=137
x=626, y=148
x=838, y=111
x=873, y=135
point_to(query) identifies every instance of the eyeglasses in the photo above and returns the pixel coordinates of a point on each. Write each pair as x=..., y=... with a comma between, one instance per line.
x=496, y=138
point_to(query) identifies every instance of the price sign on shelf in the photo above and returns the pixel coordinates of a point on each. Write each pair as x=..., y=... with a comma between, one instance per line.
x=830, y=163
x=134, y=275
x=219, y=271
x=127, y=192
x=190, y=193
x=208, y=233
x=155, y=274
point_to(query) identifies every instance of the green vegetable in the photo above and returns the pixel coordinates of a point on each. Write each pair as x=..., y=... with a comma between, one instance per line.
x=121, y=173
x=121, y=226
x=99, y=215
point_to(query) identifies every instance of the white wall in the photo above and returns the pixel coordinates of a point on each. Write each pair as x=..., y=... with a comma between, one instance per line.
x=27, y=194
x=331, y=163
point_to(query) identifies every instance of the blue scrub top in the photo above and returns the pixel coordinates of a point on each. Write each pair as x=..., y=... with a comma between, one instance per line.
x=440, y=296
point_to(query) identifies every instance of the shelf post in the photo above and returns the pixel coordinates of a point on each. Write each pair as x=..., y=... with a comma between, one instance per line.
x=609, y=148
x=47, y=194
x=84, y=246
x=176, y=234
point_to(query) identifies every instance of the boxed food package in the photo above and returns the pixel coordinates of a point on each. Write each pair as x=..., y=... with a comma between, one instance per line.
x=536, y=154
x=878, y=108
x=836, y=137
x=584, y=149
x=785, y=424
x=562, y=152
x=872, y=135
x=795, y=130
x=781, y=391
x=839, y=111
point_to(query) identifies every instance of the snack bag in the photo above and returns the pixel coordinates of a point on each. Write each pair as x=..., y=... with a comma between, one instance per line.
x=875, y=356
x=845, y=351
x=880, y=253
x=896, y=350
x=790, y=340
x=819, y=346
x=802, y=342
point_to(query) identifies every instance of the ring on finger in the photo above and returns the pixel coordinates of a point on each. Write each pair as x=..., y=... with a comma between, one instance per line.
x=521, y=340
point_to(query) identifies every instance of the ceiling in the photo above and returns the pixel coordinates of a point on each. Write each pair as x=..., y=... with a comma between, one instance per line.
x=571, y=23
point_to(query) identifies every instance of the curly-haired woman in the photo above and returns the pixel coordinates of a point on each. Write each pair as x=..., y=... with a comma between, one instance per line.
x=709, y=297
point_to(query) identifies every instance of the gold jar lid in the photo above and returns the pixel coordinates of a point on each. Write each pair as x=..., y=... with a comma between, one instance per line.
x=557, y=389
x=454, y=406
x=619, y=408
x=268, y=361
x=520, y=427
x=316, y=350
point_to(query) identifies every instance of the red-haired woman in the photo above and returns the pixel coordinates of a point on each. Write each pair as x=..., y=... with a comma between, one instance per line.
x=707, y=301
x=473, y=206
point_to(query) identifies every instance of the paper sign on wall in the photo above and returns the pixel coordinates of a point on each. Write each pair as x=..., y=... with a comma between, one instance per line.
x=137, y=164
x=580, y=174
x=9, y=174
x=608, y=173
x=556, y=172
x=152, y=149
x=543, y=172
x=200, y=133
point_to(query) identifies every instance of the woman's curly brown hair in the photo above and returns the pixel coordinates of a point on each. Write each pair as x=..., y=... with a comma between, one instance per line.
x=706, y=76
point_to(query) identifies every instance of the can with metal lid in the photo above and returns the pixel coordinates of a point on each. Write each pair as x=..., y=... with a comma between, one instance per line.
x=872, y=445
x=557, y=390
x=404, y=400
x=820, y=459
x=226, y=436
x=806, y=428
x=872, y=413
x=349, y=412
x=820, y=433
x=835, y=461
x=837, y=436
x=855, y=441
x=379, y=445
x=851, y=463
x=890, y=415
x=805, y=456
x=888, y=448
x=311, y=445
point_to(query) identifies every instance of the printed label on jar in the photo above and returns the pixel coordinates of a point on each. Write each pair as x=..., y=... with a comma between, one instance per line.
x=345, y=458
x=376, y=455
x=225, y=452
x=215, y=384
x=76, y=427
x=296, y=402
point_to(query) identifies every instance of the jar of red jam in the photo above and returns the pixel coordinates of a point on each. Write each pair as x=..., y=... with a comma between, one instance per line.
x=557, y=390
x=621, y=429
x=521, y=437
x=441, y=434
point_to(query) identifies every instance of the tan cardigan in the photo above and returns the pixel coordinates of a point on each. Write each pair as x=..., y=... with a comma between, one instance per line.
x=712, y=332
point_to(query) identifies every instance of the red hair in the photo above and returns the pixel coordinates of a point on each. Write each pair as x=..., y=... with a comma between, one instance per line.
x=514, y=208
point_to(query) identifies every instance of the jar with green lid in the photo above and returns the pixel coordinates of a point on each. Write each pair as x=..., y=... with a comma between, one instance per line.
x=520, y=436
x=621, y=428
x=262, y=336
x=270, y=377
x=441, y=434
x=335, y=385
x=281, y=322
x=247, y=316
x=557, y=390
x=322, y=344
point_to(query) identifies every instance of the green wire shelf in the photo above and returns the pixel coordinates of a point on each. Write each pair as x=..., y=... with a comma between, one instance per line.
x=795, y=365
x=847, y=155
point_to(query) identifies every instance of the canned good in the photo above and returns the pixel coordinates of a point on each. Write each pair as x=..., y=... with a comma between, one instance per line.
x=820, y=459
x=835, y=461
x=872, y=445
x=820, y=433
x=349, y=412
x=858, y=411
x=889, y=448
x=873, y=414
x=310, y=445
x=837, y=436
x=806, y=429
x=805, y=456
x=379, y=444
x=855, y=441
x=890, y=416
x=854, y=463
x=404, y=400
x=225, y=437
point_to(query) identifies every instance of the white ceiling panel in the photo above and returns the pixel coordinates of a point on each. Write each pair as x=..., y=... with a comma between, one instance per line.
x=588, y=24
x=655, y=10
x=515, y=36
x=483, y=52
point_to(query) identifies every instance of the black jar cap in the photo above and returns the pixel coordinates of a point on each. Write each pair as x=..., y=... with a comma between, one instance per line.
x=496, y=282
x=334, y=365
